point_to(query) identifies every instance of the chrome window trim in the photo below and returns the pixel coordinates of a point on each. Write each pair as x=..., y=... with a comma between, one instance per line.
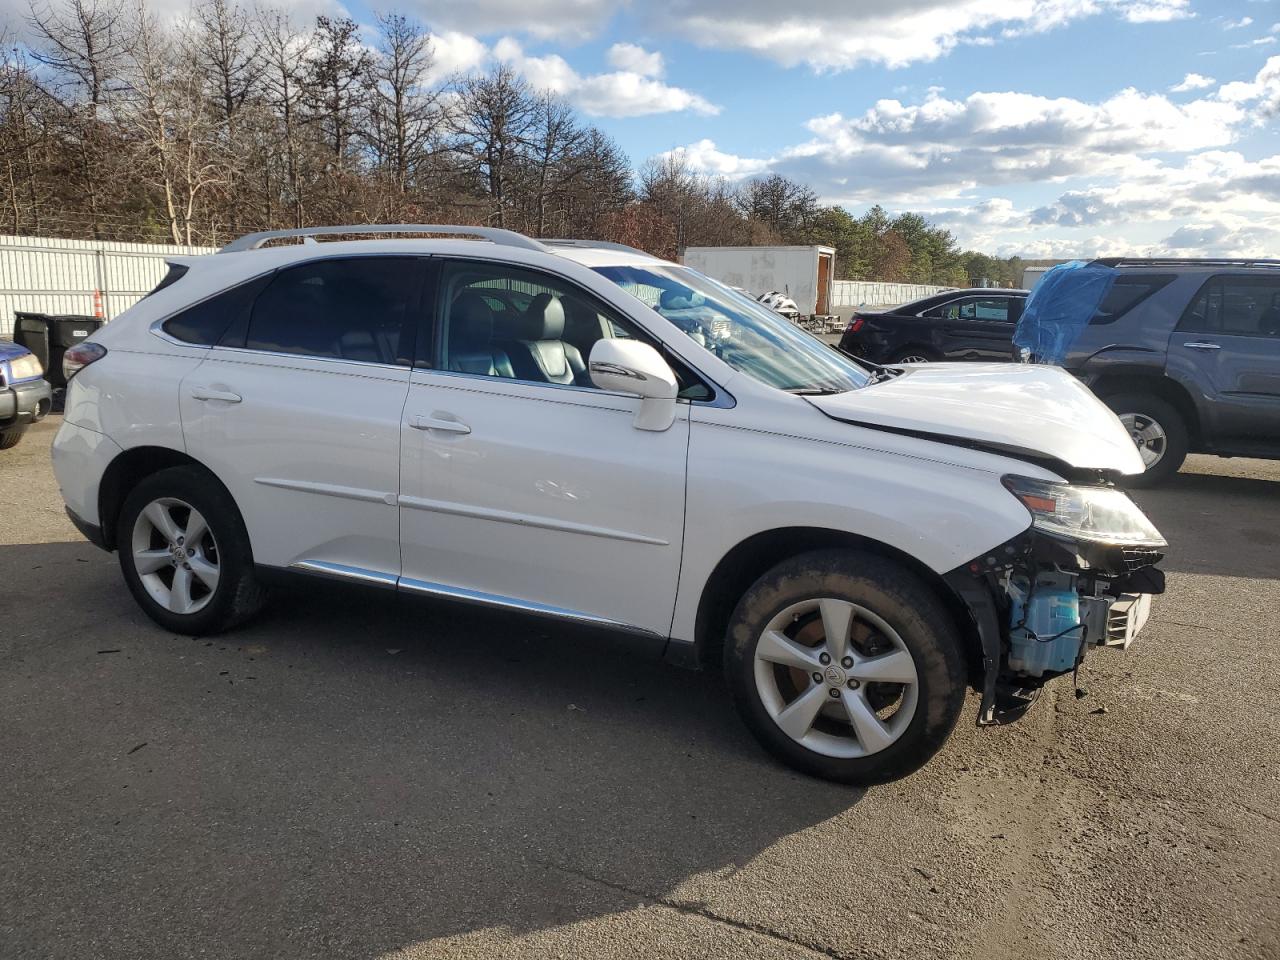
x=572, y=387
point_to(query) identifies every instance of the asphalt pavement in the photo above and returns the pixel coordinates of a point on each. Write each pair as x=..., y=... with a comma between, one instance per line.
x=359, y=776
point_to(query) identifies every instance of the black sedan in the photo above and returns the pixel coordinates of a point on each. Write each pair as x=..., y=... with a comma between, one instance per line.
x=974, y=324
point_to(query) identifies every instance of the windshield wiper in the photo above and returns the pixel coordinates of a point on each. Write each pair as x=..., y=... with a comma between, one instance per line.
x=814, y=391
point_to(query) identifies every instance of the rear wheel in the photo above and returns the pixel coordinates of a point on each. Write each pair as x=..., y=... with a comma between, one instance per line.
x=185, y=554
x=1158, y=431
x=846, y=666
x=10, y=438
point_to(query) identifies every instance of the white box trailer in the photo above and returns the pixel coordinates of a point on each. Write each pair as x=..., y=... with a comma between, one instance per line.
x=804, y=274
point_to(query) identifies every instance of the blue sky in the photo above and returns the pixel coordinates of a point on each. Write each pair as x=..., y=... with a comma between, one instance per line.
x=1038, y=127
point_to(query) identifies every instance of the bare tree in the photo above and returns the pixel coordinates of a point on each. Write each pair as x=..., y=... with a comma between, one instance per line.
x=406, y=114
x=286, y=50
x=494, y=117
x=334, y=78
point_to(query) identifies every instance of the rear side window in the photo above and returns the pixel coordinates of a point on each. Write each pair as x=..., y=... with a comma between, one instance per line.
x=206, y=322
x=1125, y=294
x=359, y=308
x=1240, y=306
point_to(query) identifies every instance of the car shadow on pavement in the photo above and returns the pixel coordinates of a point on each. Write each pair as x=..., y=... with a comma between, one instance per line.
x=352, y=774
x=1217, y=525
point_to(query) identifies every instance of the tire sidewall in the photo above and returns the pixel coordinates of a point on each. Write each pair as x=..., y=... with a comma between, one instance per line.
x=906, y=604
x=235, y=559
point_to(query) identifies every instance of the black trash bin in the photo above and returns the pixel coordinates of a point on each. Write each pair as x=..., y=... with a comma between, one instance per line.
x=48, y=335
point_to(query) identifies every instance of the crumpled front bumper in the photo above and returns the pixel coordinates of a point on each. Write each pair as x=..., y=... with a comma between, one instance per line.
x=25, y=402
x=1116, y=585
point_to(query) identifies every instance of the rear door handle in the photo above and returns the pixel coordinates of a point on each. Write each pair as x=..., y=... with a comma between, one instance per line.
x=208, y=393
x=439, y=422
x=1202, y=345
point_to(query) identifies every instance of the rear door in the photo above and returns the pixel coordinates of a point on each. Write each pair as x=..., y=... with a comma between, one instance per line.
x=297, y=410
x=1228, y=344
x=977, y=328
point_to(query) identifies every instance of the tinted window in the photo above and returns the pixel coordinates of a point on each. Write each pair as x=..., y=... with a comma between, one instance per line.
x=176, y=272
x=1125, y=294
x=362, y=308
x=1243, y=306
x=205, y=323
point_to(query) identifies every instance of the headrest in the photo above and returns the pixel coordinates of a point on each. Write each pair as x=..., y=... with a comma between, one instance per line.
x=543, y=319
x=470, y=323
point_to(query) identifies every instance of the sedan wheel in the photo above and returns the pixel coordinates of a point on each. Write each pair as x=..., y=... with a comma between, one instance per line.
x=1148, y=435
x=175, y=555
x=912, y=358
x=836, y=678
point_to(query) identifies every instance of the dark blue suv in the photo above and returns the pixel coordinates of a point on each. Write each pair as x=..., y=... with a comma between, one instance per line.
x=1187, y=353
x=25, y=395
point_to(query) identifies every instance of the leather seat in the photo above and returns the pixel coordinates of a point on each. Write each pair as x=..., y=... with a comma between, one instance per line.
x=535, y=342
x=471, y=346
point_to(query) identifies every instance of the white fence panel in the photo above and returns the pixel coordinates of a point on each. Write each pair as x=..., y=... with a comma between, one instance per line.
x=50, y=275
x=875, y=293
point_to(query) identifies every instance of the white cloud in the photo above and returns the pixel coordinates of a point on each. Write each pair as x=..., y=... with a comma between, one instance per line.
x=1237, y=24
x=623, y=93
x=830, y=35
x=636, y=59
x=545, y=19
x=1192, y=81
x=456, y=53
x=703, y=157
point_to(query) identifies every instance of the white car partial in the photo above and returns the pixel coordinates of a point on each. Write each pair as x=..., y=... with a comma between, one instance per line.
x=582, y=432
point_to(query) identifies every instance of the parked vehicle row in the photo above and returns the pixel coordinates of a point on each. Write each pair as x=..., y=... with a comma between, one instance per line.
x=1186, y=352
x=590, y=434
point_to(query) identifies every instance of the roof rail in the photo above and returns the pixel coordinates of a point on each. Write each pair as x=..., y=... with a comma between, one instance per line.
x=1184, y=262
x=506, y=238
x=595, y=245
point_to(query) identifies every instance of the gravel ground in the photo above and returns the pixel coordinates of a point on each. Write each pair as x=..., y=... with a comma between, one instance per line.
x=358, y=777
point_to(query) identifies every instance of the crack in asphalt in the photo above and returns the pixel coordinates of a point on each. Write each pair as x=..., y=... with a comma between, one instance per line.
x=700, y=910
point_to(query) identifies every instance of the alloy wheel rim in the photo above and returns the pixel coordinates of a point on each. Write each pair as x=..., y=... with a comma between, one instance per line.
x=1147, y=435
x=176, y=555
x=914, y=359
x=836, y=678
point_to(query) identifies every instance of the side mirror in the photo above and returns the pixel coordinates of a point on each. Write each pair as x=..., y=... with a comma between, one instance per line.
x=629, y=366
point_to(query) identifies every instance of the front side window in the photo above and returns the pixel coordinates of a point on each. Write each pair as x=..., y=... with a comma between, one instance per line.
x=746, y=335
x=358, y=308
x=505, y=321
x=1238, y=306
x=980, y=308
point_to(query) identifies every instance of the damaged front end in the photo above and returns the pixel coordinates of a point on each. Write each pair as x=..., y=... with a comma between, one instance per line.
x=1081, y=575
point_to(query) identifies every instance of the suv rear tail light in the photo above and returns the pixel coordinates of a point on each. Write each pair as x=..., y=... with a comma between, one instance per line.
x=80, y=356
x=856, y=324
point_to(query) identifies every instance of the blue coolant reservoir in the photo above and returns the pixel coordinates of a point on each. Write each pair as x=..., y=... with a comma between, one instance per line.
x=1050, y=610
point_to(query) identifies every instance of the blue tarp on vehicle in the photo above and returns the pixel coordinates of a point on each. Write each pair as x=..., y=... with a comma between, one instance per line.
x=1059, y=308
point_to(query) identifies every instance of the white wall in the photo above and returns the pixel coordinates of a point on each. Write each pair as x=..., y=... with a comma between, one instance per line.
x=59, y=276
x=789, y=270
x=849, y=295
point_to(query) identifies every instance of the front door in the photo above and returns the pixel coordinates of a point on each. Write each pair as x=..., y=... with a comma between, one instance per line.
x=1228, y=345
x=522, y=484
x=298, y=412
x=978, y=328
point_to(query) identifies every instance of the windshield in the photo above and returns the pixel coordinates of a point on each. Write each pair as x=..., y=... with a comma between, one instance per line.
x=746, y=335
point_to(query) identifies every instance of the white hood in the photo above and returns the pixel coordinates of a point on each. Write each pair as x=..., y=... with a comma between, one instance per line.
x=1017, y=407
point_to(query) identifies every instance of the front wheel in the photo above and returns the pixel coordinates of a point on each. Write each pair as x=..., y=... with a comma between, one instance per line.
x=1158, y=432
x=10, y=438
x=846, y=666
x=913, y=355
x=185, y=554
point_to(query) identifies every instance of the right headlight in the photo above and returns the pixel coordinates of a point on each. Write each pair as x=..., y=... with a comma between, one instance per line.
x=1093, y=514
x=25, y=367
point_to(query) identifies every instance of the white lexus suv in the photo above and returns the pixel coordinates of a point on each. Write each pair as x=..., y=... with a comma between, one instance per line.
x=586, y=433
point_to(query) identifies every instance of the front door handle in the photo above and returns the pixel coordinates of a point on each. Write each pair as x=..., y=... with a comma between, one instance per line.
x=1202, y=345
x=208, y=393
x=439, y=422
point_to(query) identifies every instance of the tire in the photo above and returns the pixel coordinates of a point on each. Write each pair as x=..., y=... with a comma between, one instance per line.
x=913, y=355
x=1151, y=417
x=892, y=614
x=10, y=438
x=176, y=499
